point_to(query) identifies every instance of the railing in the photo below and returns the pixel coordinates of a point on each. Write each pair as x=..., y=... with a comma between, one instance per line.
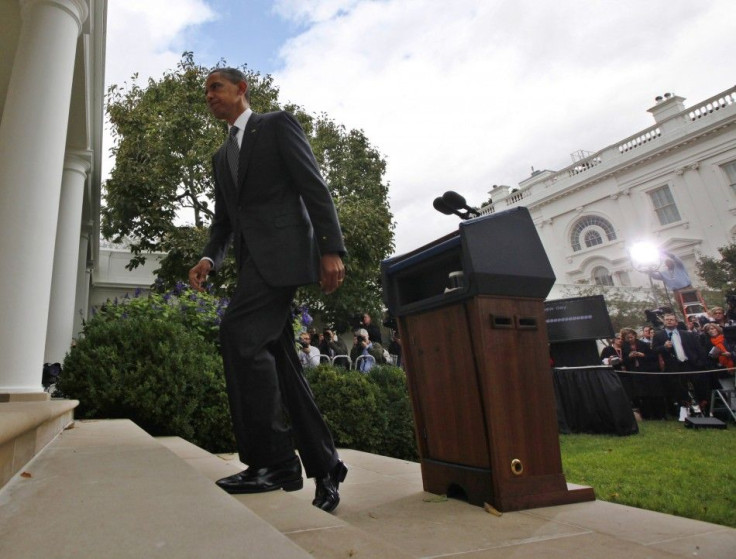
x=637, y=141
x=713, y=104
x=584, y=165
x=517, y=196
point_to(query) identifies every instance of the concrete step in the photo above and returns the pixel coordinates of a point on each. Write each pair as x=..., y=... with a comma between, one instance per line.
x=384, y=513
x=108, y=489
x=322, y=534
x=26, y=427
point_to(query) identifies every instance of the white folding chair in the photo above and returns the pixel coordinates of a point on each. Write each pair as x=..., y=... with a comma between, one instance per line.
x=343, y=359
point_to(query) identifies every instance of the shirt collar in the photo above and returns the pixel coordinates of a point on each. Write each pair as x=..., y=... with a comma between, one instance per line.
x=241, y=123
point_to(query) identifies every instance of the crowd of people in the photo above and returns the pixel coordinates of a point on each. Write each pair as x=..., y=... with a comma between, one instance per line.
x=694, y=357
x=367, y=351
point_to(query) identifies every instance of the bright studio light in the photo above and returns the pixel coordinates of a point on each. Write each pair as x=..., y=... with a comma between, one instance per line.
x=645, y=256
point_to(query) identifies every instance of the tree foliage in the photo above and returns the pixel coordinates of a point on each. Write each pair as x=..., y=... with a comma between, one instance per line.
x=719, y=274
x=164, y=140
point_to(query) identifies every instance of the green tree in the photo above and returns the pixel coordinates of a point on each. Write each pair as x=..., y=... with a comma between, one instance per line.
x=164, y=140
x=719, y=274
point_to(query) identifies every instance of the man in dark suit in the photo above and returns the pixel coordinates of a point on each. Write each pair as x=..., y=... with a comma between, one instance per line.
x=681, y=351
x=272, y=203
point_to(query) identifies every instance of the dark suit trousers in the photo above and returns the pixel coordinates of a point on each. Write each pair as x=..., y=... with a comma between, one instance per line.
x=271, y=403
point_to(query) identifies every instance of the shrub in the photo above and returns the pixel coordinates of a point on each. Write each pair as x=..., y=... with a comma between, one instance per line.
x=398, y=432
x=197, y=311
x=369, y=412
x=155, y=361
x=156, y=364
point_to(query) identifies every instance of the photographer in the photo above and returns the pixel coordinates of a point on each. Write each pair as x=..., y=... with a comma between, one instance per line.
x=374, y=332
x=364, y=346
x=613, y=354
x=731, y=311
x=332, y=345
x=308, y=354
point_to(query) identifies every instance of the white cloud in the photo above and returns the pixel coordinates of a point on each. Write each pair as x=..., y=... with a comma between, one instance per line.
x=147, y=37
x=466, y=94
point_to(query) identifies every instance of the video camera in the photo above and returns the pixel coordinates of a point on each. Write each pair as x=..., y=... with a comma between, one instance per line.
x=654, y=316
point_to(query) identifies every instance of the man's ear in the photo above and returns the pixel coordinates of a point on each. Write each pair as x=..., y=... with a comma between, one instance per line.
x=242, y=87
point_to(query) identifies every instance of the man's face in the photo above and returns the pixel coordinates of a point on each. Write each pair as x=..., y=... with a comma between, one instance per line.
x=670, y=321
x=647, y=332
x=225, y=99
x=366, y=319
x=305, y=337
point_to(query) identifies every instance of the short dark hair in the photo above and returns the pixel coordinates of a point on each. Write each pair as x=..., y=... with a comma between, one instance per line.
x=233, y=75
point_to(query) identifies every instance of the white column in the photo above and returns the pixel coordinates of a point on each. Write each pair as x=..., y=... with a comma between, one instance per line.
x=81, y=306
x=64, y=282
x=32, y=144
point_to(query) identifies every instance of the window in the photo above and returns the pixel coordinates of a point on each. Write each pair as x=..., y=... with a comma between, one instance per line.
x=601, y=276
x=591, y=231
x=664, y=205
x=592, y=238
x=730, y=170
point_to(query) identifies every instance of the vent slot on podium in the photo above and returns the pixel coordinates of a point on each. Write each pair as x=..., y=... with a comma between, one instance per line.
x=526, y=323
x=501, y=322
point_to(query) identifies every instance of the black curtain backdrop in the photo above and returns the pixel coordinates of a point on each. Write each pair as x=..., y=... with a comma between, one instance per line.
x=592, y=400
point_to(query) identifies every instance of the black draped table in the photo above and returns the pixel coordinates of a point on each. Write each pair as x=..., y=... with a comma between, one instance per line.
x=592, y=400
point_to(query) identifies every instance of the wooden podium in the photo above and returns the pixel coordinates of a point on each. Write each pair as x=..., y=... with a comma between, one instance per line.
x=471, y=317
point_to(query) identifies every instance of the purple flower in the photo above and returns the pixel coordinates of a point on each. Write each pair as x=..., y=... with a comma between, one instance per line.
x=306, y=320
x=179, y=288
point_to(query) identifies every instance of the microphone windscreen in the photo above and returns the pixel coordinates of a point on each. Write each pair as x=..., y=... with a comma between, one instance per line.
x=441, y=207
x=453, y=200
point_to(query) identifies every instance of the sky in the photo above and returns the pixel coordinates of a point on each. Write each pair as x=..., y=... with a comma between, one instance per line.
x=459, y=95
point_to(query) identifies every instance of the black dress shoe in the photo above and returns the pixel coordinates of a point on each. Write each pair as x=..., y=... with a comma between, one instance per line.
x=286, y=476
x=327, y=496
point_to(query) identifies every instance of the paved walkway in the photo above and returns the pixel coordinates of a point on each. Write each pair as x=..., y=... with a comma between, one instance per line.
x=107, y=489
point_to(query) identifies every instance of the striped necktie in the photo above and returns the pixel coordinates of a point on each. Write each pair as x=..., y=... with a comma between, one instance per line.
x=233, y=153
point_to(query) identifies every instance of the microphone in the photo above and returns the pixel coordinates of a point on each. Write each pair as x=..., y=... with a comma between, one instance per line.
x=440, y=205
x=457, y=202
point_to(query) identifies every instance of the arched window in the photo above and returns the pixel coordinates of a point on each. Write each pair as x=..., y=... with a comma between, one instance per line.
x=590, y=231
x=601, y=276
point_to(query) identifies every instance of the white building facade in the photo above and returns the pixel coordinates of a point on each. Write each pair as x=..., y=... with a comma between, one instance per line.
x=673, y=184
x=52, y=59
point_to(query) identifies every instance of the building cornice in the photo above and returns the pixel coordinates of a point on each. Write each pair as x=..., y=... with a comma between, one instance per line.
x=710, y=117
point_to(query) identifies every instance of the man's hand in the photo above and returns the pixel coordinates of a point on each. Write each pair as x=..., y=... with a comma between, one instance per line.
x=332, y=272
x=198, y=274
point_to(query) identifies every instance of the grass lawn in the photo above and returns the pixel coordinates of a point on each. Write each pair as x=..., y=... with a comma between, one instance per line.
x=666, y=467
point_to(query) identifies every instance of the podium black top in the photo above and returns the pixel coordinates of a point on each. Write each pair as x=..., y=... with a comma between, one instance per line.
x=497, y=254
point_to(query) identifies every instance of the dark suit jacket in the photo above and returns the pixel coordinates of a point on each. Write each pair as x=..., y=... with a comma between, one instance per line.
x=280, y=211
x=690, y=344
